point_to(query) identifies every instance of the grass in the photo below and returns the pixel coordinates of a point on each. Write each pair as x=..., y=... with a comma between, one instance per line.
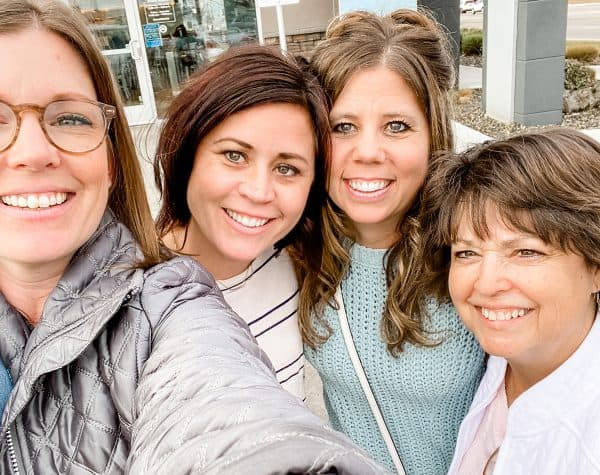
x=467, y=31
x=583, y=43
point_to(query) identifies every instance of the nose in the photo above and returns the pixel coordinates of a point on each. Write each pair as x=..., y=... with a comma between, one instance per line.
x=493, y=276
x=31, y=149
x=258, y=185
x=368, y=147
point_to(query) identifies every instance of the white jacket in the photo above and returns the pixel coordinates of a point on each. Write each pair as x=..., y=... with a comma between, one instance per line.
x=554, y=427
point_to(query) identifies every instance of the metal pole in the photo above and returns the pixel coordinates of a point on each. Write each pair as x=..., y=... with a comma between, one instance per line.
x=281, y=28
x=259, y=27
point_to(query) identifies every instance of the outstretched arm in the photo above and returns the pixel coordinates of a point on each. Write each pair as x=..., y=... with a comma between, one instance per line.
x=208, y=401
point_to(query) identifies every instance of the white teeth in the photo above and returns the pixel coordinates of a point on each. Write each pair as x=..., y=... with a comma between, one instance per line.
x=368, y=186
x=44, y=201
x=502, y=315
x=35, y=201
x=248, y=221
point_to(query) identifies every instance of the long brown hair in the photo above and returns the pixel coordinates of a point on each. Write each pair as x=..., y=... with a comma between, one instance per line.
x=542, y=183
x=127, y=197
x=411, y=44
x=239, y=79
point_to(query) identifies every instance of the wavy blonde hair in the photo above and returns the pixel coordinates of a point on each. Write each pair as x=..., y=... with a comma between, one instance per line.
x=411, y=44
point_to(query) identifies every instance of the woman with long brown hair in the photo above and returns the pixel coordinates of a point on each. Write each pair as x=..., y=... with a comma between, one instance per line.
x=404, y=390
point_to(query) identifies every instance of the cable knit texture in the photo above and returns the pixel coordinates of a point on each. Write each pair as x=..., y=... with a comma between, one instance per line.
x=423, y=394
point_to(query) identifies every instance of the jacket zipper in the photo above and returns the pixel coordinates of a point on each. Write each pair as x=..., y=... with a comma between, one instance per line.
x=11, y=453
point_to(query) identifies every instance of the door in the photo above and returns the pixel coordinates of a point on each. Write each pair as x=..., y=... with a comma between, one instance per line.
x=116, y=25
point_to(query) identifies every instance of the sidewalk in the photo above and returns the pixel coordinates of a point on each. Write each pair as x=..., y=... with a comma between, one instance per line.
x=470, y=77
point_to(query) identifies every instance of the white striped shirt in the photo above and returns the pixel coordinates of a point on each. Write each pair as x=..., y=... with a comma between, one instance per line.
x=266, y=296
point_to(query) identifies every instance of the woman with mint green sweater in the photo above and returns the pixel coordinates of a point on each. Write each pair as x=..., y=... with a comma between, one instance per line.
x=388, y=79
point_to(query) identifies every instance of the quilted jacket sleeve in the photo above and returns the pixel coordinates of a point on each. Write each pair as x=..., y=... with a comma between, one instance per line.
x=207, y=400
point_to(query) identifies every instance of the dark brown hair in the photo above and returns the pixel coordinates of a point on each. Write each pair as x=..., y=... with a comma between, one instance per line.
x=413, y=45
x=240, y=78
x=127, y=197
x=543, y=183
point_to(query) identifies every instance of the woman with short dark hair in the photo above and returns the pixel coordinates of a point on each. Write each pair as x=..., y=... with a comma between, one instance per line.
x=512, y=236
x=241, y=165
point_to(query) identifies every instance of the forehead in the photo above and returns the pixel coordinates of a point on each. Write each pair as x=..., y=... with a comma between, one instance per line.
x=486, y=220
x=29, y=55
x=277, y=127
x=376, y=88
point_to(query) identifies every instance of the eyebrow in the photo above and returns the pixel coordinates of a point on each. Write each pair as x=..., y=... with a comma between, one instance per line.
x=247, y=146
x=387, y=115
x=56, y=97
x=507, y=244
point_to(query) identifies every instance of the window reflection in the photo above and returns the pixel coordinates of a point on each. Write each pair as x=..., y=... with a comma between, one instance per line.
x=124, y=72
x=107, y=20
x=182, y=35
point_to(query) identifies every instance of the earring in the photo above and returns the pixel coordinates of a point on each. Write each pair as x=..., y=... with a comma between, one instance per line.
x=597, y=297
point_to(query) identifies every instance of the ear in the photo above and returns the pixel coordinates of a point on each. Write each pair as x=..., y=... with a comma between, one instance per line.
x=111, y=162
x=596, y=278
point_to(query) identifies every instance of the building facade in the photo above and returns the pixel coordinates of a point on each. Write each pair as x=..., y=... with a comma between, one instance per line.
x=153, y=46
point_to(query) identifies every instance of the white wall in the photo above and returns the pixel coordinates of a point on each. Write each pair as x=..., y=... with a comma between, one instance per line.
x=501, y=38
x=308, y=16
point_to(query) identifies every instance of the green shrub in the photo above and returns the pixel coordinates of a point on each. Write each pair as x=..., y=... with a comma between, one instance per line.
x=583, y=53
x=471, y=44
x=577, y=75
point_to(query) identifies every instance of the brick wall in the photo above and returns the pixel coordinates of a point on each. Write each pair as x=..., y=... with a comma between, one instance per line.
x=302, y=44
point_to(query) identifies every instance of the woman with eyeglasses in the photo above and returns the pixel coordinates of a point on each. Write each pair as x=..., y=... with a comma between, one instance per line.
x=122, y=359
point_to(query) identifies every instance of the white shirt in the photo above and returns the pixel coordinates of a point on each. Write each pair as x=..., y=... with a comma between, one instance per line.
x=266, y=296
x=553, y=428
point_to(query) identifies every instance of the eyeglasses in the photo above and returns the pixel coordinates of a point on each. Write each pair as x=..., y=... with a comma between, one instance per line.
x=75, y=126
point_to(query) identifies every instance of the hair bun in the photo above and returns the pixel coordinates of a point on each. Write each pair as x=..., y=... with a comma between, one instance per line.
x=421, y=18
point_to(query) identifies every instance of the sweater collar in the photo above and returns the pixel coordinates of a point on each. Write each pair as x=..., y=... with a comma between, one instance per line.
x=367, y=256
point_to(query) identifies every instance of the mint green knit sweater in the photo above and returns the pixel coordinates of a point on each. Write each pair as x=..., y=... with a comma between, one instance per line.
x=423, y=394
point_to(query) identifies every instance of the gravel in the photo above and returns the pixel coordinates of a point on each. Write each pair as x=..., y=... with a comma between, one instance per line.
x=468, y=111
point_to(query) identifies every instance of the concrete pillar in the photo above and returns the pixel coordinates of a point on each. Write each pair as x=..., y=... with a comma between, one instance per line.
x=524, y=57
x=447, y=12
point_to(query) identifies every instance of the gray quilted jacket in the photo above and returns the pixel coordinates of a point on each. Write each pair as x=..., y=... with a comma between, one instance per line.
x=150, y=372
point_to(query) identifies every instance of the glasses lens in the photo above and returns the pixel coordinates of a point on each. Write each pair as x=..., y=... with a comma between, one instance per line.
x=8, y=125
x=75, y=126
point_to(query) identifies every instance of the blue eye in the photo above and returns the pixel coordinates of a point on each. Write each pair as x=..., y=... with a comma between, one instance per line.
x=72, y=120
x=396, y=126
x=234, y=157
x=344, y=128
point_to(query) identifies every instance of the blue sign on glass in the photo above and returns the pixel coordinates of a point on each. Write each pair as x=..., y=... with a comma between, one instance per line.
x=152, y=36
x=376, y=6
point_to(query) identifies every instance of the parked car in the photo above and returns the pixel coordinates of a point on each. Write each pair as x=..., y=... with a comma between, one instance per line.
x=473, y=6
x=466, y=5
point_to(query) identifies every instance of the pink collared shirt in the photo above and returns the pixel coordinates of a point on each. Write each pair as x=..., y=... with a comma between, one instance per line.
x=488, y=438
